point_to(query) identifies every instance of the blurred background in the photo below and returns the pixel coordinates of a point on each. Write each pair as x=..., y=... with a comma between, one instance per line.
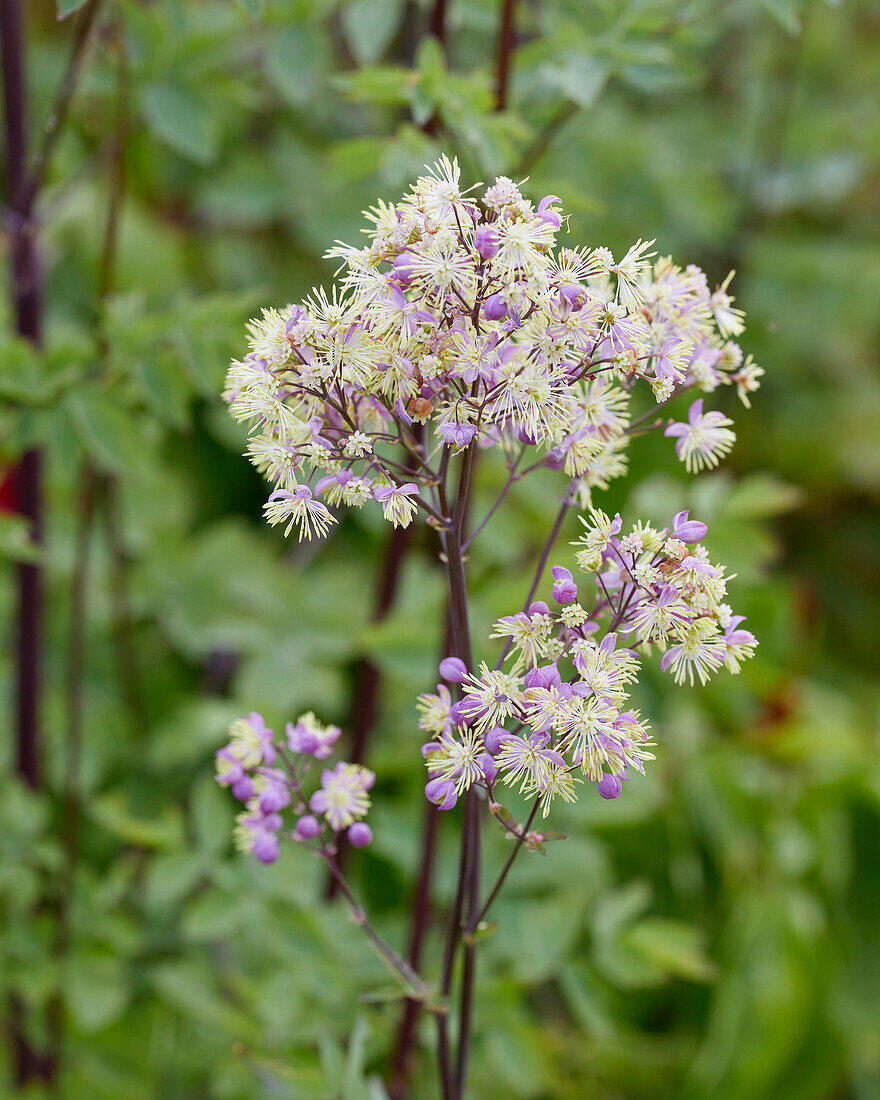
x=715, y=932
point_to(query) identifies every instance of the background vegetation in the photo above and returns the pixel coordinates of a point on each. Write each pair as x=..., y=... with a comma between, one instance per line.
x=712, y=934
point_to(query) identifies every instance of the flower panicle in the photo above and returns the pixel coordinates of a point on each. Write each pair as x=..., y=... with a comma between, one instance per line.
x=557, y=711
x=268, y=774
x=463, y=320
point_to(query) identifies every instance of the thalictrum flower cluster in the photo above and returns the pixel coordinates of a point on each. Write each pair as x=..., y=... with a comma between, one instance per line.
x=463, y=320
x=555, y=712
x=268, y=774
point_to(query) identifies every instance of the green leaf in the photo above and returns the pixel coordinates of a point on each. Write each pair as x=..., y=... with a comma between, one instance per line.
x=386, y=85
x=580, y=77
x=183, y=986
x=211, y=816
x=15, y=539
x=97, y=991
x=183, y=120
x=787, y=14
x=106, y=430
x=293, y=60
x=369, y=27
x=68, y=7
x=674, y=946
x=214, y=916
x=111, y=812
x=761, y=496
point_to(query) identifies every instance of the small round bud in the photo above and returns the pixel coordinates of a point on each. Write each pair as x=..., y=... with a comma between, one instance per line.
x=360, y=834
x=308, y=827
x=265, y=847
x=495, y=308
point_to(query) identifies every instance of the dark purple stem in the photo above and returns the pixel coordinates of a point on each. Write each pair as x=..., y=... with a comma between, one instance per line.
x=504, y=54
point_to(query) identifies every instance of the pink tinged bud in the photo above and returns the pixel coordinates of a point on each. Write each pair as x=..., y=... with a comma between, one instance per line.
x=494, y=739
x=610, y=786
x=265, y=846
x=487, y=768
x=453, y=670
x=360, y=834
x=486, y=242
x=688, y=530
x=538, y=608
x=308, y=827
x=495, y=308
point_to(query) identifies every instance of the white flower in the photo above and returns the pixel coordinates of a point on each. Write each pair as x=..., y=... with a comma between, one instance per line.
x=357, y=445
x=298, y=507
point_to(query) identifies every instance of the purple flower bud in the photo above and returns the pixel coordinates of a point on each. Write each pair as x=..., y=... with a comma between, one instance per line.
x=308, y=827
x=243, y=789
x=544, y=677
x=494, y=739
x=360, y=834
x=402, y=268
x=487, y=767
x=442, y=793
x=453, y=670
x=265, y=846
x=610, y=786
x=495, y=308
x=564, y=590
x=486, y=242
x=538, y=608
x=274, y=797
x=688, y=530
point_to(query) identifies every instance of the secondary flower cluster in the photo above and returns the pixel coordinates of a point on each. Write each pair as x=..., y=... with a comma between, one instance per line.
x=555, y=710
x=460, y=320
x=267, y=775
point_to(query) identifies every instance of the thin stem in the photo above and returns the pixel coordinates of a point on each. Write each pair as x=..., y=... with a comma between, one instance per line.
x=469, y=969
x=365, y=703
x=54, y=124
x=401, y=966
x=542, y=564
x=544, y=138
x=512, y=478
x=70, y=793
x=420, y=920
x=496, y=889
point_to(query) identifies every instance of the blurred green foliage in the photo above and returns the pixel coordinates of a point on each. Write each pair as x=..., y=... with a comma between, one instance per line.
x=712, y=934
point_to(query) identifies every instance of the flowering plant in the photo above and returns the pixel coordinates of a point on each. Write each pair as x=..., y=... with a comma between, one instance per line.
x=458, y=328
